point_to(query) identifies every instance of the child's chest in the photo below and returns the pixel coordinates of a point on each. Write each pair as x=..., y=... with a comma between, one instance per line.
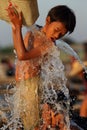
x=37, y=42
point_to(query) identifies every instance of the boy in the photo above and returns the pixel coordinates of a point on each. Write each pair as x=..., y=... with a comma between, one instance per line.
x=30, y=51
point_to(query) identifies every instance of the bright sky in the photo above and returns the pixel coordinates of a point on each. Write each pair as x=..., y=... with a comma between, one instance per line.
x=78, y=6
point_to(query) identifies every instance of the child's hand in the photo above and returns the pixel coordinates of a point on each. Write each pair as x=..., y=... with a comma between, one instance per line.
x=14, y=16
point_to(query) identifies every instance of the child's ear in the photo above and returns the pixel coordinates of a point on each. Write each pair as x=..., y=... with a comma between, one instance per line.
x=48, y=20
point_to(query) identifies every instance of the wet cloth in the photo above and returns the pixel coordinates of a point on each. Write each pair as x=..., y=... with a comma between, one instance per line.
x=26, y=102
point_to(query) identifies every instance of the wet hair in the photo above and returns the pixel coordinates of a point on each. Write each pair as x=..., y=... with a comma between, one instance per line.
x=65, y=15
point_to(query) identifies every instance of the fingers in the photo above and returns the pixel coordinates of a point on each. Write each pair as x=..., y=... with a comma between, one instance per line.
x=14, y=16
x=10, y=3
x=20, y=15
x=12, y=9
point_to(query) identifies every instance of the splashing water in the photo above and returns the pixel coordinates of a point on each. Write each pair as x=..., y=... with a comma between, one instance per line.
x=52, y=88
x=12, y=114
x=65, y=47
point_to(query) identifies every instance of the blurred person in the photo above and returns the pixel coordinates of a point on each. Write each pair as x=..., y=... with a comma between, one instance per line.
x=78, y=72
x=83, y=108
x=85, y=51
x=85, y=60
x=75, y=70
x=8, y=66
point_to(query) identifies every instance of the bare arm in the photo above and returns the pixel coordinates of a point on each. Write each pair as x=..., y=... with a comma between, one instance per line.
x=22, y=53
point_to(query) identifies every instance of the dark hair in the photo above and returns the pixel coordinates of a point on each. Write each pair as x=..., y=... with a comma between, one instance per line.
x=65, y=15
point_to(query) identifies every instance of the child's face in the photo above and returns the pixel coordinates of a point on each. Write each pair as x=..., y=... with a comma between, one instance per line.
x=55, y=30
